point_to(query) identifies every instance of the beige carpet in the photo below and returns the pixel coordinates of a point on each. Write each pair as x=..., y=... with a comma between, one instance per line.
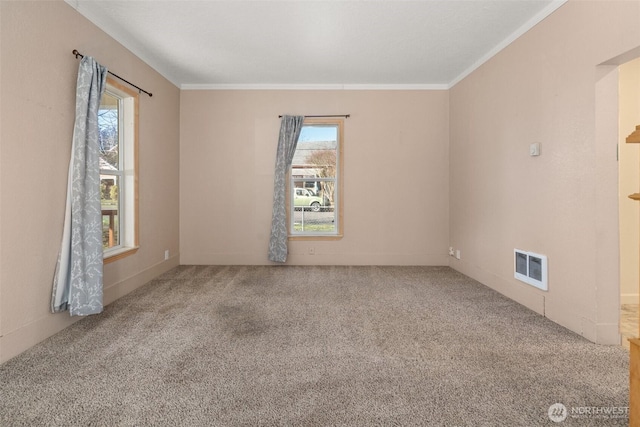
x=306, y=346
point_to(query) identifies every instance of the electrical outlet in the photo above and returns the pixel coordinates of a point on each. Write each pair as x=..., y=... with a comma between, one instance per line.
x=312, y=250
x=458, y=254
x=451, y=251
x=166, y=254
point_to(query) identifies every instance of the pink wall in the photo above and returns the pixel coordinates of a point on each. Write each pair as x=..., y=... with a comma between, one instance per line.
x=546, y=87
x=37, y=114
x=395, y=180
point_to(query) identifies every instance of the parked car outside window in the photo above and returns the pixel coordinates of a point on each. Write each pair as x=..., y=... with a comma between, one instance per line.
x=304, y=197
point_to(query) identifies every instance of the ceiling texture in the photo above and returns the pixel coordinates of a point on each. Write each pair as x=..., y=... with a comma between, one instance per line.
x=310, y=44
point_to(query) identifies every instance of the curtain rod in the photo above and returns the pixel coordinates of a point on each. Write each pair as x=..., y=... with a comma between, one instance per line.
x=76, y=53
x=346, y=116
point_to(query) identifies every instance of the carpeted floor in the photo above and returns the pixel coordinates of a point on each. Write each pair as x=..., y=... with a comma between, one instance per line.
x=306, y=346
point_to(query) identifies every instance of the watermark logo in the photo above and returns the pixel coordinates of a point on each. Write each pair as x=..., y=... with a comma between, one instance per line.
x=557, y=412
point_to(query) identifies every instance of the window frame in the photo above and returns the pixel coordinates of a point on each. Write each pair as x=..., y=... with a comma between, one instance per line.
x=128, y=221
x=339, y=196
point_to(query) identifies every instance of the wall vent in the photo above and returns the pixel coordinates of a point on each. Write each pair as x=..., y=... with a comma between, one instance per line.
x=531, y=268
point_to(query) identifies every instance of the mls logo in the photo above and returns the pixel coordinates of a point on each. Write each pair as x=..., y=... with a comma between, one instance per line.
x=557, y=412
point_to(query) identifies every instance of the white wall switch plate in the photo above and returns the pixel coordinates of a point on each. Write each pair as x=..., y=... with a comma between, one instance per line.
x=534, y=149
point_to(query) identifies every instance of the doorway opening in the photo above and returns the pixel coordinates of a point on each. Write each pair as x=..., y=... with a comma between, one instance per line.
x=629, y=210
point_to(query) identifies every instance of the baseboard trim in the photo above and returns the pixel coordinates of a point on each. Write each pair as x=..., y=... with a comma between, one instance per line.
x=608, y=334
x=519, y=292
x=27, y=336
x=298, y=256
x=130, y=284
x=629, y=299
x=600, y=333
x=22, y=339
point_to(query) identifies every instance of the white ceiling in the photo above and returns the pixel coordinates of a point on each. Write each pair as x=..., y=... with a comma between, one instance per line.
x=429, y=44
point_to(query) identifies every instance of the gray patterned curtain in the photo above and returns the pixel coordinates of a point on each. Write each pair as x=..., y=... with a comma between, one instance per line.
x=77, y=284
x=290, y=128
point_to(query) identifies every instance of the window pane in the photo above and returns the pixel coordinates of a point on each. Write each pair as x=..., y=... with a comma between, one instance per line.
x=314, y=180
x=308, y=221
x=315, y=159
x=318, y=132
x=110, y=203
x=314, y=211
x=108, y=137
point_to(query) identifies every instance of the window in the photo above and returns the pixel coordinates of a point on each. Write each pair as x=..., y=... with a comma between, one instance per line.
x=118, y=170
x=315, y=181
